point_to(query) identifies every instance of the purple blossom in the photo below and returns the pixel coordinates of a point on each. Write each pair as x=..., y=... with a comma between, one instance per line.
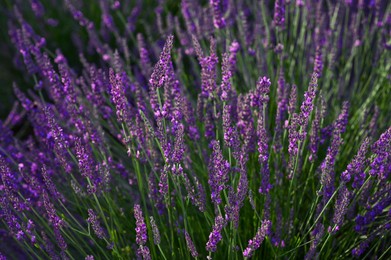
x=279, y=13
x=357, y=166
x=49, y=248
x=245, y=125
x=117, y=92
x=263, y=149
x=208, y=68
x=163, y=183
x=218, y=19
x=93, y=220
x=190, y=245
x=49, y=184
x=159, y=73
x=141, y=227
x=307, y=105
x=255, y=243
x=226, y=78
x=85, y=159
x=155, y=231
x=316, y=235
x=215, y=236
x=231, y=138
x=318, y=63
x=218, y=172
x=187, y=8
x=292, y=100
x=381, y=164
x=144, y=252
x=341, y=206
x=55, y=221
x=327, y=167
x=260, y=95
x=314, y=137
x=233, y=51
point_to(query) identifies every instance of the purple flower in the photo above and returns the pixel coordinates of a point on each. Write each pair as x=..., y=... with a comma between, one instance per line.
x=314, y=137
x=357, y=166
x=141, y=227
x=316, y=235
x=260, y=95
x=49, y=184
x=318, y=63
x=279, y=13
x=218, y=172
x=144, y=252
x=292, y=100
x=163, y=183
x=245, y=125
x=190, y=245
x=263, y=150
x=84, y=157
x=231, y=138
x=327, y=167
x=117, y=92
x=381, y=164
x=226, y=78
x=155, y=231
x=233, y=51
x=215, y=236
x=341, y=206
x=218, y=19
x=307, y=105
x=255, y=243
x=159, y=73
x=208, y=69
x=93, y=220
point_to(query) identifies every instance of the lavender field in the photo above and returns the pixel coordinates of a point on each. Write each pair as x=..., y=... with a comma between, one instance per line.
x=195, y=129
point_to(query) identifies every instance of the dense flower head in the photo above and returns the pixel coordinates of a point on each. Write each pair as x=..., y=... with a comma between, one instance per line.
x=93, y=220
x=260, y=95
x=355, y=168
x=218, y=172
x=279, y=13
x=215, y=236
x=381, y=164
x=159, y=75
x=218, y=19
x=309, y=96
x=155, y=230
x=190, y=245
x=255, y=243
x=141, y=227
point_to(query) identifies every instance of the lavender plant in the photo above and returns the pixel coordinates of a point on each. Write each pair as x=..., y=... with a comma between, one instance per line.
x=197, y=129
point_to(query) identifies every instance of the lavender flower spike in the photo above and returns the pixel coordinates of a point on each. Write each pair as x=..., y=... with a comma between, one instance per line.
x=190, y=245
x=279, y=13
x=307, y=106
x=218, y=19
x=341, y=207
x=158, y=76
x=141, y=233
x=381, y=164
x=356, y=167
x=155, y=230
x=215, y=236
x=141, y=227
x=93, y=220
x=218, y=176
x=255, y=243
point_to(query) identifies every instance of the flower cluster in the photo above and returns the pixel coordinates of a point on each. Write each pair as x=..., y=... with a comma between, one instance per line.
x=228, y=129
